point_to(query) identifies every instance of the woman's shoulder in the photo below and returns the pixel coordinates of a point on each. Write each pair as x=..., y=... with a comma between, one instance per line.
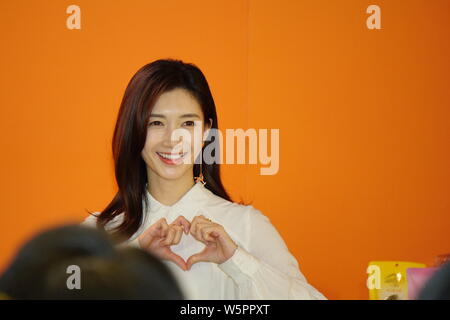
x=239, y=219
x=91, y=221
x=234, y=210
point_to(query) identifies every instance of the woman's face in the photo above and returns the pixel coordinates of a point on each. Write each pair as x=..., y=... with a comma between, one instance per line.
x=167, y=156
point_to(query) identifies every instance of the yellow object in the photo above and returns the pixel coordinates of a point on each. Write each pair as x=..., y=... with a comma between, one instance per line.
x=4, y=296
x=386, y=280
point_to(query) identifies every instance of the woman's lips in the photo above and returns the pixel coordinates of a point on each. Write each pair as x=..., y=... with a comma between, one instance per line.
x=171, y=158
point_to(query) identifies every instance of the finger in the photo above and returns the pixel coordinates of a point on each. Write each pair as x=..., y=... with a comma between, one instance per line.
x=204, y=219
x=209, y=234
x=178, y=234
x=182, y=221
x=177, y=260
x=193, y=226
x=163, y=227
x=146, y=238
x=155, y=230
x=169, y=237
x=198, y=231
x=198, y=257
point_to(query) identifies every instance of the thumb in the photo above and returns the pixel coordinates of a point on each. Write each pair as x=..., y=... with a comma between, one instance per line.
x=177, y=260
x=198, y=257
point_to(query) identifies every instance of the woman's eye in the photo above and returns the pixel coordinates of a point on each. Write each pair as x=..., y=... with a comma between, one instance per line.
x=155, y=123
x=189, y=123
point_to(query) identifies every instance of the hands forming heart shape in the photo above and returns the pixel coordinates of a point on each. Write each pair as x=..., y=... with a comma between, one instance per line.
x=158, y=238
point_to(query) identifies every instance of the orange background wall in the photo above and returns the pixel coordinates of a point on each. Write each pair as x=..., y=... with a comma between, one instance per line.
x=363, y=116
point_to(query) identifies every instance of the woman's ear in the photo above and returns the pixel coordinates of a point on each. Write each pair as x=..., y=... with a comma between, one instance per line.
x=208, y=126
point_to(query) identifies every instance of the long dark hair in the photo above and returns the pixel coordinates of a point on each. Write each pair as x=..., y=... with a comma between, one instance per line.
x=130, y=133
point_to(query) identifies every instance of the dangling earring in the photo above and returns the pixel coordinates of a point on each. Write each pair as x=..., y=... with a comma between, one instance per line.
x=200, y=177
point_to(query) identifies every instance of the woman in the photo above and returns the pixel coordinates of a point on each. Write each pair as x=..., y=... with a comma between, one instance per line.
x=176, y=207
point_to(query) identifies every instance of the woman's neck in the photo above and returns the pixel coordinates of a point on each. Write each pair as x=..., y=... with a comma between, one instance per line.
x=168, y=192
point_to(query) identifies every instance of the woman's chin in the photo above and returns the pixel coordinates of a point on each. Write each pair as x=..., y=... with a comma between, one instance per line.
x=172, y=173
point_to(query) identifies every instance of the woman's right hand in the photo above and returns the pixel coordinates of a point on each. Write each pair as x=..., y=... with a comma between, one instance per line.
x=158, y=238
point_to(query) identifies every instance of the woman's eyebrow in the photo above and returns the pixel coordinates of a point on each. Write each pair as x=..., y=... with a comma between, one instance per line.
x=187, y=115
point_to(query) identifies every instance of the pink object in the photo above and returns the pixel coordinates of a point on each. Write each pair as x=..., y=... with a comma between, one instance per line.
x=417, y=277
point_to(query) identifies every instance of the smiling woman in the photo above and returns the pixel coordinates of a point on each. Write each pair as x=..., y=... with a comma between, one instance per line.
x=179, y=210
x=175, y=109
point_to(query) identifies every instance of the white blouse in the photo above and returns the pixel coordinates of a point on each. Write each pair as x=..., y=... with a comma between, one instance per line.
x=261, y=267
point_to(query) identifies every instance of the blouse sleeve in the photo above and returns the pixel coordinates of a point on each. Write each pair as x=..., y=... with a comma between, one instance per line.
x=91, y=221
x=266, y=269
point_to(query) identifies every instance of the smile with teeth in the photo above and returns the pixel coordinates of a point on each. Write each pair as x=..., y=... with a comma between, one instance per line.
x=171, y=156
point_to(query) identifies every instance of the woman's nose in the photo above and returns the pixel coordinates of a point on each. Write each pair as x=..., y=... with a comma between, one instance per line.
x=171, y=137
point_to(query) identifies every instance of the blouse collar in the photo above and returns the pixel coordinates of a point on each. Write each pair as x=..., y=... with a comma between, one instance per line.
x=191, y=198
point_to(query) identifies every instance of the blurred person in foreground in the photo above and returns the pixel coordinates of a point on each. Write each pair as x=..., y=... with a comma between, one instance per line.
x=43, y=266
x=438, y=286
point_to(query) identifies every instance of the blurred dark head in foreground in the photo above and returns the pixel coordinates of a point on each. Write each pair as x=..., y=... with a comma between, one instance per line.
x=76, y=262
x=438, y=286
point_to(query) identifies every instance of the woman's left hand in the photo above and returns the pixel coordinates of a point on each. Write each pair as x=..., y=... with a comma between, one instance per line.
x=219, y=245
